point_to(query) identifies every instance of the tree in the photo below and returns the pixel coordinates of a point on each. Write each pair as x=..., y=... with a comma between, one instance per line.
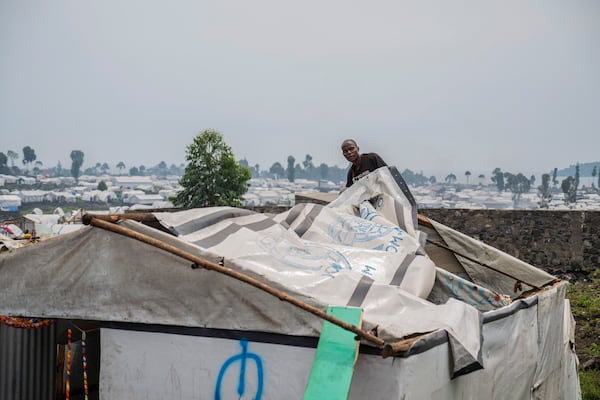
x=337, y=174
x=13, y=156
x=76, y=163
x=277, y=170
x=102, y=186
x=554, y=180
x=142, y=169
x=467, y=174
x=576, y=176
x=4, y=164
x=121, y=166
x=299, y=172
x=544, y=191
x=15, y=170
x=307, y=163
x=594, y=172
x=256, y=171
x=161, y=169
x=89, y=171
x=212, y=176
x=569, y=190
x=324, y=170
x=28, y=156
x=36, y=169
x=291, y=171
x=175, y=170
x=432, y=180
x=498, y=179
x=517, y=184
x=450, y=178
x=416, y=179
x=308, y=166
x=58, y=169
x=481, y=178
x=133, y=171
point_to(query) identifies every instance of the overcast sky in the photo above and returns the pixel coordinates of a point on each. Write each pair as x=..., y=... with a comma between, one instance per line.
x=433, y=86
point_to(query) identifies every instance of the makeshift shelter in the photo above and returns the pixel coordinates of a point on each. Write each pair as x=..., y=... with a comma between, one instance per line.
x=229, y=303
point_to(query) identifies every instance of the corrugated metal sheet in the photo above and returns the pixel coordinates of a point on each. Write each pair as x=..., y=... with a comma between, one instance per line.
x=27, y=363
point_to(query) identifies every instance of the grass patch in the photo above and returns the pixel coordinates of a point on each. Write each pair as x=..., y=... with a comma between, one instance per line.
x=590, y=384
x=584, y=296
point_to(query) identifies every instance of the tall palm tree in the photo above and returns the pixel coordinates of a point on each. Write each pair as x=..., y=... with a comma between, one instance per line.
x=450, y=178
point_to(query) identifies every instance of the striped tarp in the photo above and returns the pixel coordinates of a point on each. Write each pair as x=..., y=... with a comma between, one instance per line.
x=363, y=250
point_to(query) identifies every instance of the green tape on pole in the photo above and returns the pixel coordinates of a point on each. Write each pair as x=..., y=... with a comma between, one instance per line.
x=333, y=365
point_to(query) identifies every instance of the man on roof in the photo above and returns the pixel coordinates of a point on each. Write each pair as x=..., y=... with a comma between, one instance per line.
x=362, y=164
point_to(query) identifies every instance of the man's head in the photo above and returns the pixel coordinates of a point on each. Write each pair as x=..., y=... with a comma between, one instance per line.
x=350, y=150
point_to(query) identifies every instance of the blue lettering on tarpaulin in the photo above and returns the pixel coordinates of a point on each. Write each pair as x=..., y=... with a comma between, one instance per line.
x=394, y=243
x=368, y=270
x=310, y=257
x=332, y=270
x=242, y=358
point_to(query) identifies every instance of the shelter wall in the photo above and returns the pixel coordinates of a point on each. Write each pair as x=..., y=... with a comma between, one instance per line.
x=525, y=355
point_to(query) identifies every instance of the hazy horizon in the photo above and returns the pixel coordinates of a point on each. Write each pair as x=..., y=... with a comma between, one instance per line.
x=439, y=174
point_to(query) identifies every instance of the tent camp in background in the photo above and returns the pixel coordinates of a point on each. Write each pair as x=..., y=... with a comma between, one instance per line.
x=230, y=303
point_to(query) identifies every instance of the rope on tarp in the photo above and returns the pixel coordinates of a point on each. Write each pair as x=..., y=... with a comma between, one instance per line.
x=201, y=262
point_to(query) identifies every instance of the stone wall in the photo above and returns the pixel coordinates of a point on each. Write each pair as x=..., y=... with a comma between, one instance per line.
x=560, y=242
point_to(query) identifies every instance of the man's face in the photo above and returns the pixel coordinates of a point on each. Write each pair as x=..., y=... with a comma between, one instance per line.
x=350, y=151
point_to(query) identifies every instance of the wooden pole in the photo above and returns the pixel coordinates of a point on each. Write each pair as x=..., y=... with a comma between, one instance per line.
x=140, y=217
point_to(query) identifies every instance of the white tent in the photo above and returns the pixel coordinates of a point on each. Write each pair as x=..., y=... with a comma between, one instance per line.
x=462, y=319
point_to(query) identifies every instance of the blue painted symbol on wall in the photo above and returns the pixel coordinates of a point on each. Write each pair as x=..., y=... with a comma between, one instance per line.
x=242, y=358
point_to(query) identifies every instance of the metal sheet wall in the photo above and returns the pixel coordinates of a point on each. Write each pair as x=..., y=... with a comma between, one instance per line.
x=27, y=363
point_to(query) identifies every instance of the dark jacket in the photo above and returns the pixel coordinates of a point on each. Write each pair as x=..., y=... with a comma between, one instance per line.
x=368, y=162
